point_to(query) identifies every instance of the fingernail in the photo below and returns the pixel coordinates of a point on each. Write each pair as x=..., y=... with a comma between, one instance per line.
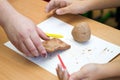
x=44, y=55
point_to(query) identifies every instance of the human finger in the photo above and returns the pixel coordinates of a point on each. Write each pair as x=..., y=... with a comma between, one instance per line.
x=60, y=70
x=30, y=46
x=66, y=10
x=38, y=44
x=54, y=4
x=77, y=76
x=57, y=71
x=50, y=6
x=21, y=47
x=42, y=34
x=25, y=50
x=66, y=75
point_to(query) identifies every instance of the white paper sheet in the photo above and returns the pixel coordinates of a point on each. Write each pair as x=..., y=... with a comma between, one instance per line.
x=95, y=50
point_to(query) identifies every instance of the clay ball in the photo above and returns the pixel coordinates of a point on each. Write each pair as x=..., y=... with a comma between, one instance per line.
x=81, y=32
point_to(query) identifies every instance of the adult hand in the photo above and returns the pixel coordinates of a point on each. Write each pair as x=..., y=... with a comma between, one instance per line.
x=21, y=31
x=25, y=35
x=68, y=6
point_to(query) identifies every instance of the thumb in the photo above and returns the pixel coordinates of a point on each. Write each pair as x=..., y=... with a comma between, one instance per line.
x=77, y=76
x=64, y=10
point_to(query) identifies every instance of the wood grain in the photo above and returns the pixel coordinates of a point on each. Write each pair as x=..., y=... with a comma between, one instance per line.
x=16, y=67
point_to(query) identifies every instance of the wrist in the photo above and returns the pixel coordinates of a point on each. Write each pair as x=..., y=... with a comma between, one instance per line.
x=91, y=5
x=102, y=4
x=96, y=4
x=111, y=70
x=7, y=12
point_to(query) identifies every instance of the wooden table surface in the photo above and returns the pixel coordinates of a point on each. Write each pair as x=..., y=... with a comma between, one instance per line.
x=16, y=67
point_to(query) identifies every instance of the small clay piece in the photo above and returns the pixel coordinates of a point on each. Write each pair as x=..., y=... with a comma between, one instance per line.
x=81, y=32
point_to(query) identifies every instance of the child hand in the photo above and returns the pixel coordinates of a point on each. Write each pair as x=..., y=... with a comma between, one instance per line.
x=61, y=73
x=68, y=6
x=87, y=72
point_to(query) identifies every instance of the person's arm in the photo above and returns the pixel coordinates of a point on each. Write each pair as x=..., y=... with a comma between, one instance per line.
x=111, y=69
x=102, y=4
x=79, y=6
x=97, y=71
x=92, y=72
x=21, y=31
x=4, y=11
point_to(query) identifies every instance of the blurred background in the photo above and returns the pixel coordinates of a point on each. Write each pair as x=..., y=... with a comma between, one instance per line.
x=109, y=17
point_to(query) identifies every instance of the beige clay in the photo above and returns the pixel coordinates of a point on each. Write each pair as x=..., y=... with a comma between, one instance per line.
x=81, y=32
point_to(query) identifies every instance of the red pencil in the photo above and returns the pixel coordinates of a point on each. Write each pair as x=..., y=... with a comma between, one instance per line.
x=63, y=65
